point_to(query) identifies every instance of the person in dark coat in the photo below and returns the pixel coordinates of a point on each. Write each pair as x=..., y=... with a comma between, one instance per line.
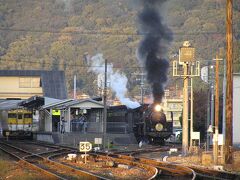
x=62, y=130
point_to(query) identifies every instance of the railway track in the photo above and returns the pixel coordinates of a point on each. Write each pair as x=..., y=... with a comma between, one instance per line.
x=104, y=157
x=50, y=156
x=208, y=174
x=49, y=163
x=42, y=163
x=168, y=169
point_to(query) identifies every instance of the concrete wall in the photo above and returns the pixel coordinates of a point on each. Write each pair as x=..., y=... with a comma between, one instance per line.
x=73, y=138
x=10, y=88
x=236, y=109
x=45, y=137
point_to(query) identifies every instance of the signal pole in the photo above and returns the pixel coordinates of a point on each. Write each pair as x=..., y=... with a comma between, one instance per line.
x=186, y=59
x=229, y=101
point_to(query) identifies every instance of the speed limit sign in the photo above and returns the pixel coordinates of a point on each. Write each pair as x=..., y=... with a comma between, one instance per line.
x=85, y=146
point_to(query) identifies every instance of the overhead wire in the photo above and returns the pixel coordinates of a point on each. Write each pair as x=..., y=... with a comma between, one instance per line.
x=96, y=32
x=89, y=66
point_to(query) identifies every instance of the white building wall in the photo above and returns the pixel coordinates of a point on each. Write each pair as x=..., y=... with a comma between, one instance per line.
x=236, y=109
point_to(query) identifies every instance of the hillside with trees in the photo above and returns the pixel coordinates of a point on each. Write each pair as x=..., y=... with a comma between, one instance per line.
x=61, y=34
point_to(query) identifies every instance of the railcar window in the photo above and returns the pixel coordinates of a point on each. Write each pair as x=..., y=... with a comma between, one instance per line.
x=27, y=115
x=12, y=116
x=20, y=116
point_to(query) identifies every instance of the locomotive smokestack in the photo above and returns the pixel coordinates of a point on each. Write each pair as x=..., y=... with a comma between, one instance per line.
x=153, y=47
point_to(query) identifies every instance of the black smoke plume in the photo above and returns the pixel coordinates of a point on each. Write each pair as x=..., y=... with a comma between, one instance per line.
x=153, y=47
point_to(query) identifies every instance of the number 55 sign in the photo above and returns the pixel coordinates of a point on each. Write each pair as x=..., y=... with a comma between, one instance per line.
x=85, y=146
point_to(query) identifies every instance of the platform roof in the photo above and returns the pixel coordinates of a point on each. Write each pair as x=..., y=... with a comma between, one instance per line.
x=85, y=103
x=33, y=102
x=9, y=104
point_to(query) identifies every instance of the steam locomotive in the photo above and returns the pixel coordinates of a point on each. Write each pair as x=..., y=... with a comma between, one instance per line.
x=153, y=125
x=147, y=122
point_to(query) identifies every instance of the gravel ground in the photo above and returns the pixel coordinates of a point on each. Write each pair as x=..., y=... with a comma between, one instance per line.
x=10, y=169
x=196, y=160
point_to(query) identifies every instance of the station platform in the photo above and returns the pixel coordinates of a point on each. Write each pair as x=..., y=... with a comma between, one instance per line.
x=73, y=138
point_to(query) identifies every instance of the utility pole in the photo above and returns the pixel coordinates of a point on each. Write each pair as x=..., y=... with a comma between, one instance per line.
x=185, y=110
x=215, y=139
x=208, y=119
x=224, y=101
x=212, y=96
x=142, y=86
x=75, y=86
x=191, y=116
x=105, y=106
x=229, y=102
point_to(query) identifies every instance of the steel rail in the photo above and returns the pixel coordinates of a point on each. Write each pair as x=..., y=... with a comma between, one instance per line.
x=31, y=163
x=214, y=174
x=165, y=168
x=150, y=168
x=154, y=171
x=31, y=166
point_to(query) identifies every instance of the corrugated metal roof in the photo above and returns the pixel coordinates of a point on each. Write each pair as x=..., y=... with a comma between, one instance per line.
x=20, y=72
x=68, y=103
x=53, y=82
x=54, y=85
x=9, y=104
x=56, y=104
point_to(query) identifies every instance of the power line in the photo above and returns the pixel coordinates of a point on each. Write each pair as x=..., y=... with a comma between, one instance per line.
x=81, y=66
x=65, y=64
x=114, y=33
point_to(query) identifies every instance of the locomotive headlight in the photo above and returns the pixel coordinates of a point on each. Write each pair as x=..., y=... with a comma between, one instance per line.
x=158, y=108
x=159, y=127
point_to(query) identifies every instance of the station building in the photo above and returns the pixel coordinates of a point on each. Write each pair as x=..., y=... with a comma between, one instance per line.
x=56, y=119
x=71, y=121
x=29, y=89
x=23, y=84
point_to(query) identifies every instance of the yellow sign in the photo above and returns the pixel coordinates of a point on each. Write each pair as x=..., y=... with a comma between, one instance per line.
x=85, y=146
x=187, y=54
x=56, y=112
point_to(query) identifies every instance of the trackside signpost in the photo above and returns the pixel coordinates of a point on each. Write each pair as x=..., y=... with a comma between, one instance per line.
x=85, y=147
x=7, y=135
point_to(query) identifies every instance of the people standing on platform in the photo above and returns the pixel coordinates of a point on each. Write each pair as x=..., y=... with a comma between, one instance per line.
x=84, y=125
x=83, y=122
x=62, y=129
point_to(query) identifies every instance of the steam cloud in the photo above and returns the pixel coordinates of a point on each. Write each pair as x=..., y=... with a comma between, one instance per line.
x=118, y=81
x=153, y=47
